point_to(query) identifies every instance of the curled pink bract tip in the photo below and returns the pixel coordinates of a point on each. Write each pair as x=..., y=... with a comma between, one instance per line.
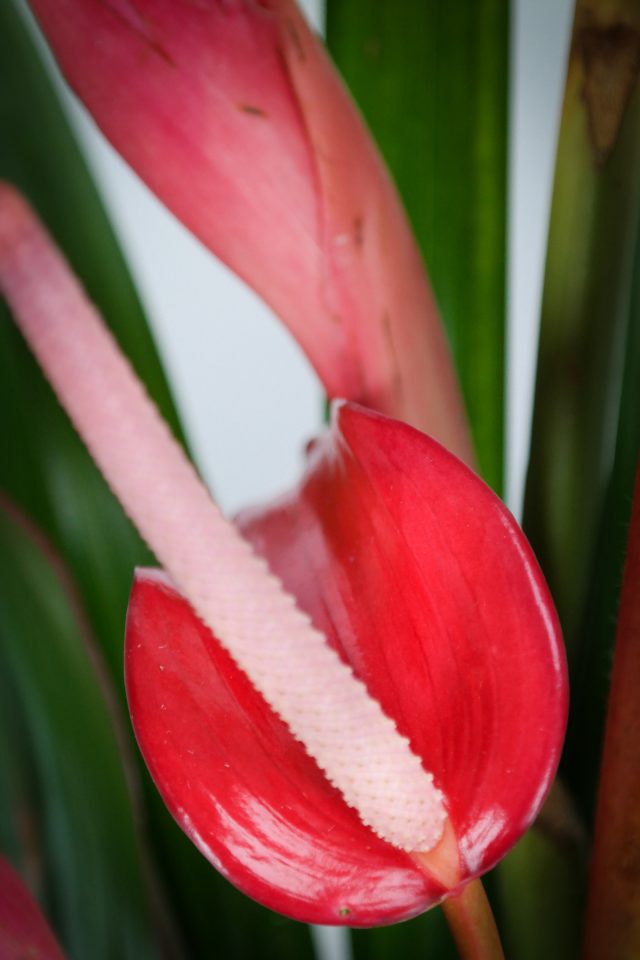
x=234, y=116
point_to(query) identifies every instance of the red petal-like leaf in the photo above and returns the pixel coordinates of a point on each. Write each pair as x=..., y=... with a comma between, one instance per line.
x=232, y=113
x=24, y=933
x=241, y=787
x=422, y=580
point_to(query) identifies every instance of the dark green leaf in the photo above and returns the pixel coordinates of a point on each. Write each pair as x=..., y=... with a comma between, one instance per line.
x=425, y=938
x=80, y=822
x=585, y=312
x=579, y=483
x=45, y=468
x=542, y=919
x=431, y=79
x=597, y=636
x=47, y=472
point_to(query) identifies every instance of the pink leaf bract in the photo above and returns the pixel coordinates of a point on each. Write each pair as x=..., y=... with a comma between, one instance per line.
x=232, y=113
x=24, y=932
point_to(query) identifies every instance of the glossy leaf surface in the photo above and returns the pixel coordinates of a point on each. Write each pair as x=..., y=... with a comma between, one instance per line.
x=431, y=79
x=233, y=115
x=421, y=580
x=24, y=932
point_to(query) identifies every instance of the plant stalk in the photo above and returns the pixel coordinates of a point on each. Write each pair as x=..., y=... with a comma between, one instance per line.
x=613, y=908
x=472, y=924
x=588, y=281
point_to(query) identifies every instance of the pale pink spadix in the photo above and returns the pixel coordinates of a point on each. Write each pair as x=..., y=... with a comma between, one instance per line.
x=325, y=706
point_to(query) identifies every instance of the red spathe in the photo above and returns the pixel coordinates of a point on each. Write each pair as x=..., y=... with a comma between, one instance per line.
x=422, y=580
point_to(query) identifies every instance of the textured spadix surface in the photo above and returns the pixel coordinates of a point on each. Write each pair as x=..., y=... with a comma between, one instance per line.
x=230, y=588
x=422, y=581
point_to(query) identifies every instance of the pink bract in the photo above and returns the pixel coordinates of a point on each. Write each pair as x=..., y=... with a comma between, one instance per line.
x=232, y=113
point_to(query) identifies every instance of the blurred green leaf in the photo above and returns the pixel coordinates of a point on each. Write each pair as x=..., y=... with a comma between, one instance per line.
x=579, y=482
x=577, y=498
x=15, y=777
x=425, y=938
x=81, y=819
x=543, y=919
x=585, y=312
x=47, y=472
x=431, y=78
x=598, y=627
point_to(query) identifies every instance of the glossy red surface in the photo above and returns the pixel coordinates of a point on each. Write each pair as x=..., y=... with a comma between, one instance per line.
x=423, y=581
x=24, y=932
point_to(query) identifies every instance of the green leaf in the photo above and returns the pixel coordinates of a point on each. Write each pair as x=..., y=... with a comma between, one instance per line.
x=579, y=487
x=80, y=816
x=580, y=481
x=47, y=472
x=586, y=302
x=431, y=79
x=597, y=636
x=425, y=938
x=542, y=919
x=46, y=469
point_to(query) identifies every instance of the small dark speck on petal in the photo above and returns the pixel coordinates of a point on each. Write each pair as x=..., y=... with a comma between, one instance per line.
x=252, y=110
x=358, y=232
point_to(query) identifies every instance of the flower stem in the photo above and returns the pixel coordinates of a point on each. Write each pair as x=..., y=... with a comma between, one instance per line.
x=472, y=924
x=613, y=909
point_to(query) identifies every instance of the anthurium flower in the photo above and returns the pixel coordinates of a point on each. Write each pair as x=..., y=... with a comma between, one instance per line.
x=24, y=932
x=358, y=755
x=232, y=113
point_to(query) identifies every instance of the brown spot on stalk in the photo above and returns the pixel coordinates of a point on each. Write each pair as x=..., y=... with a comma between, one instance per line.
x=396, y=381
x=611, y=60
x=252, y=110
x=358, y=232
